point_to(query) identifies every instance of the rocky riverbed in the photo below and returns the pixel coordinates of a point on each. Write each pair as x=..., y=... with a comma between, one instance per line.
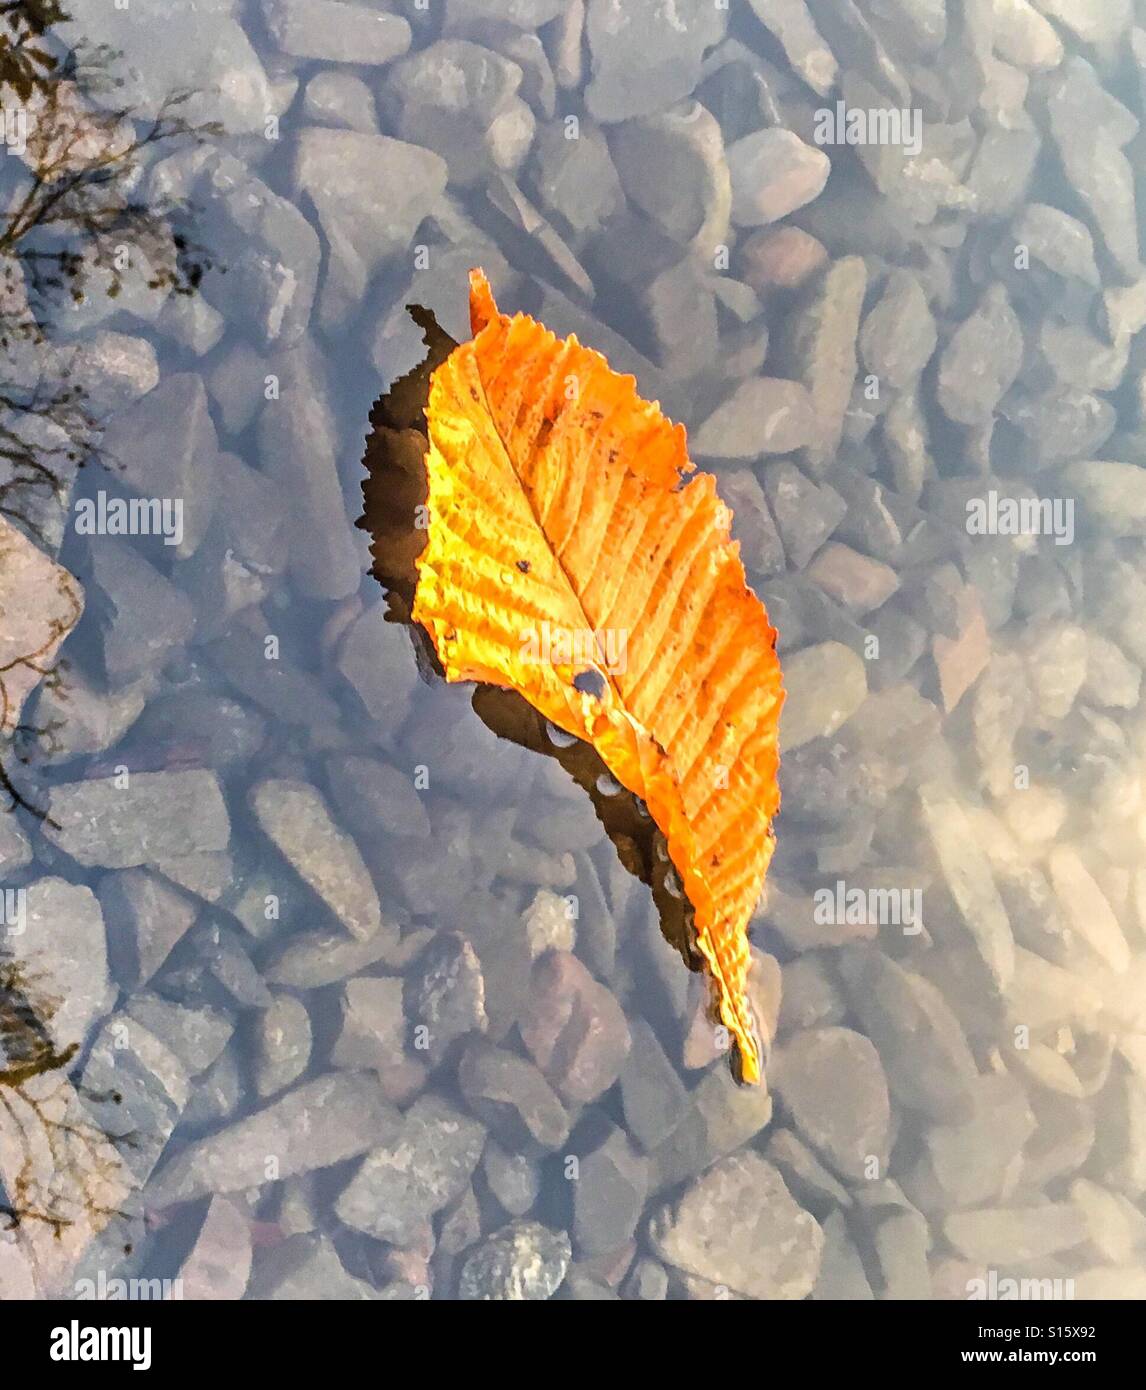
x=363, y=1003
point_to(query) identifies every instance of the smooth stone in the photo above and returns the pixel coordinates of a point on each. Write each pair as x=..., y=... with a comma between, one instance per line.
x=218, y=1265
x=898, y=334
x=842, y=1274
x=826, y=684
x=296, y=819
x=88, y=717
x=373, y=1027
x=806, y=513
x=967, y=872
x=819, y=348
x=165, y=446
x=134, y=1093
x=781, y=258
x=832, y=1082
x=811, y=995
x=375, y=658
x=976, y=1162
x=196, y=1034
x=1025, y=37
x=810, y=1182
x=310, y=960
x=510, y=1095
x=1087, y=910
x=1113, y=494
x=854, y=580
x=672, y=166
x=738, y=1227
x=369, y=192
x=803, y=45
x=271, y=252
x=764, y=415
x=773, y=173
x=156, y=817
x=513, y=1179
x=1015, y=1235
x=1089, y=127
x=340, y=99
x=609, y=1195
x=981, y=360
x=306, y=1267
x=1112, y=679
x=282, y=1045
x=318, y=1124
x=653, y=1096
x=644, y=57
x=336, y=32
x=377, y=799
x=574, y=1028
x=929, y=1065
x=459, y=100
x=151, y=916
x=576, y=180
x=113, y=369
x=761, y=548
x=200, y=50
x=1076, y=357
x=144, y=619
x=298, y=440
x=405, y=1180
x=1058, y=241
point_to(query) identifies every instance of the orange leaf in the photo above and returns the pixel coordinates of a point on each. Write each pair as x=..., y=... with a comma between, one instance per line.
x=570, y=558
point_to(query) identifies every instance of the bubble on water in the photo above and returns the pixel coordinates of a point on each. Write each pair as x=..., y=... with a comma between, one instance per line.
x=558, y=737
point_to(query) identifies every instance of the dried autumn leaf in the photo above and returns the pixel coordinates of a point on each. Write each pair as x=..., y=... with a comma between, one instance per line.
x=570, y=557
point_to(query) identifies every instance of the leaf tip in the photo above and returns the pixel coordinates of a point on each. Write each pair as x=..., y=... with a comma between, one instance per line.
x=482, y=306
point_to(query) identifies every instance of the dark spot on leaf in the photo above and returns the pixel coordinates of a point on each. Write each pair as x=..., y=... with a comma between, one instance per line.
x=523, y=566
x=589, y=683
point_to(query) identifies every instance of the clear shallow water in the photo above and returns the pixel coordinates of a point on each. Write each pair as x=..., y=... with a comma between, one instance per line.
x=363, y=1002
